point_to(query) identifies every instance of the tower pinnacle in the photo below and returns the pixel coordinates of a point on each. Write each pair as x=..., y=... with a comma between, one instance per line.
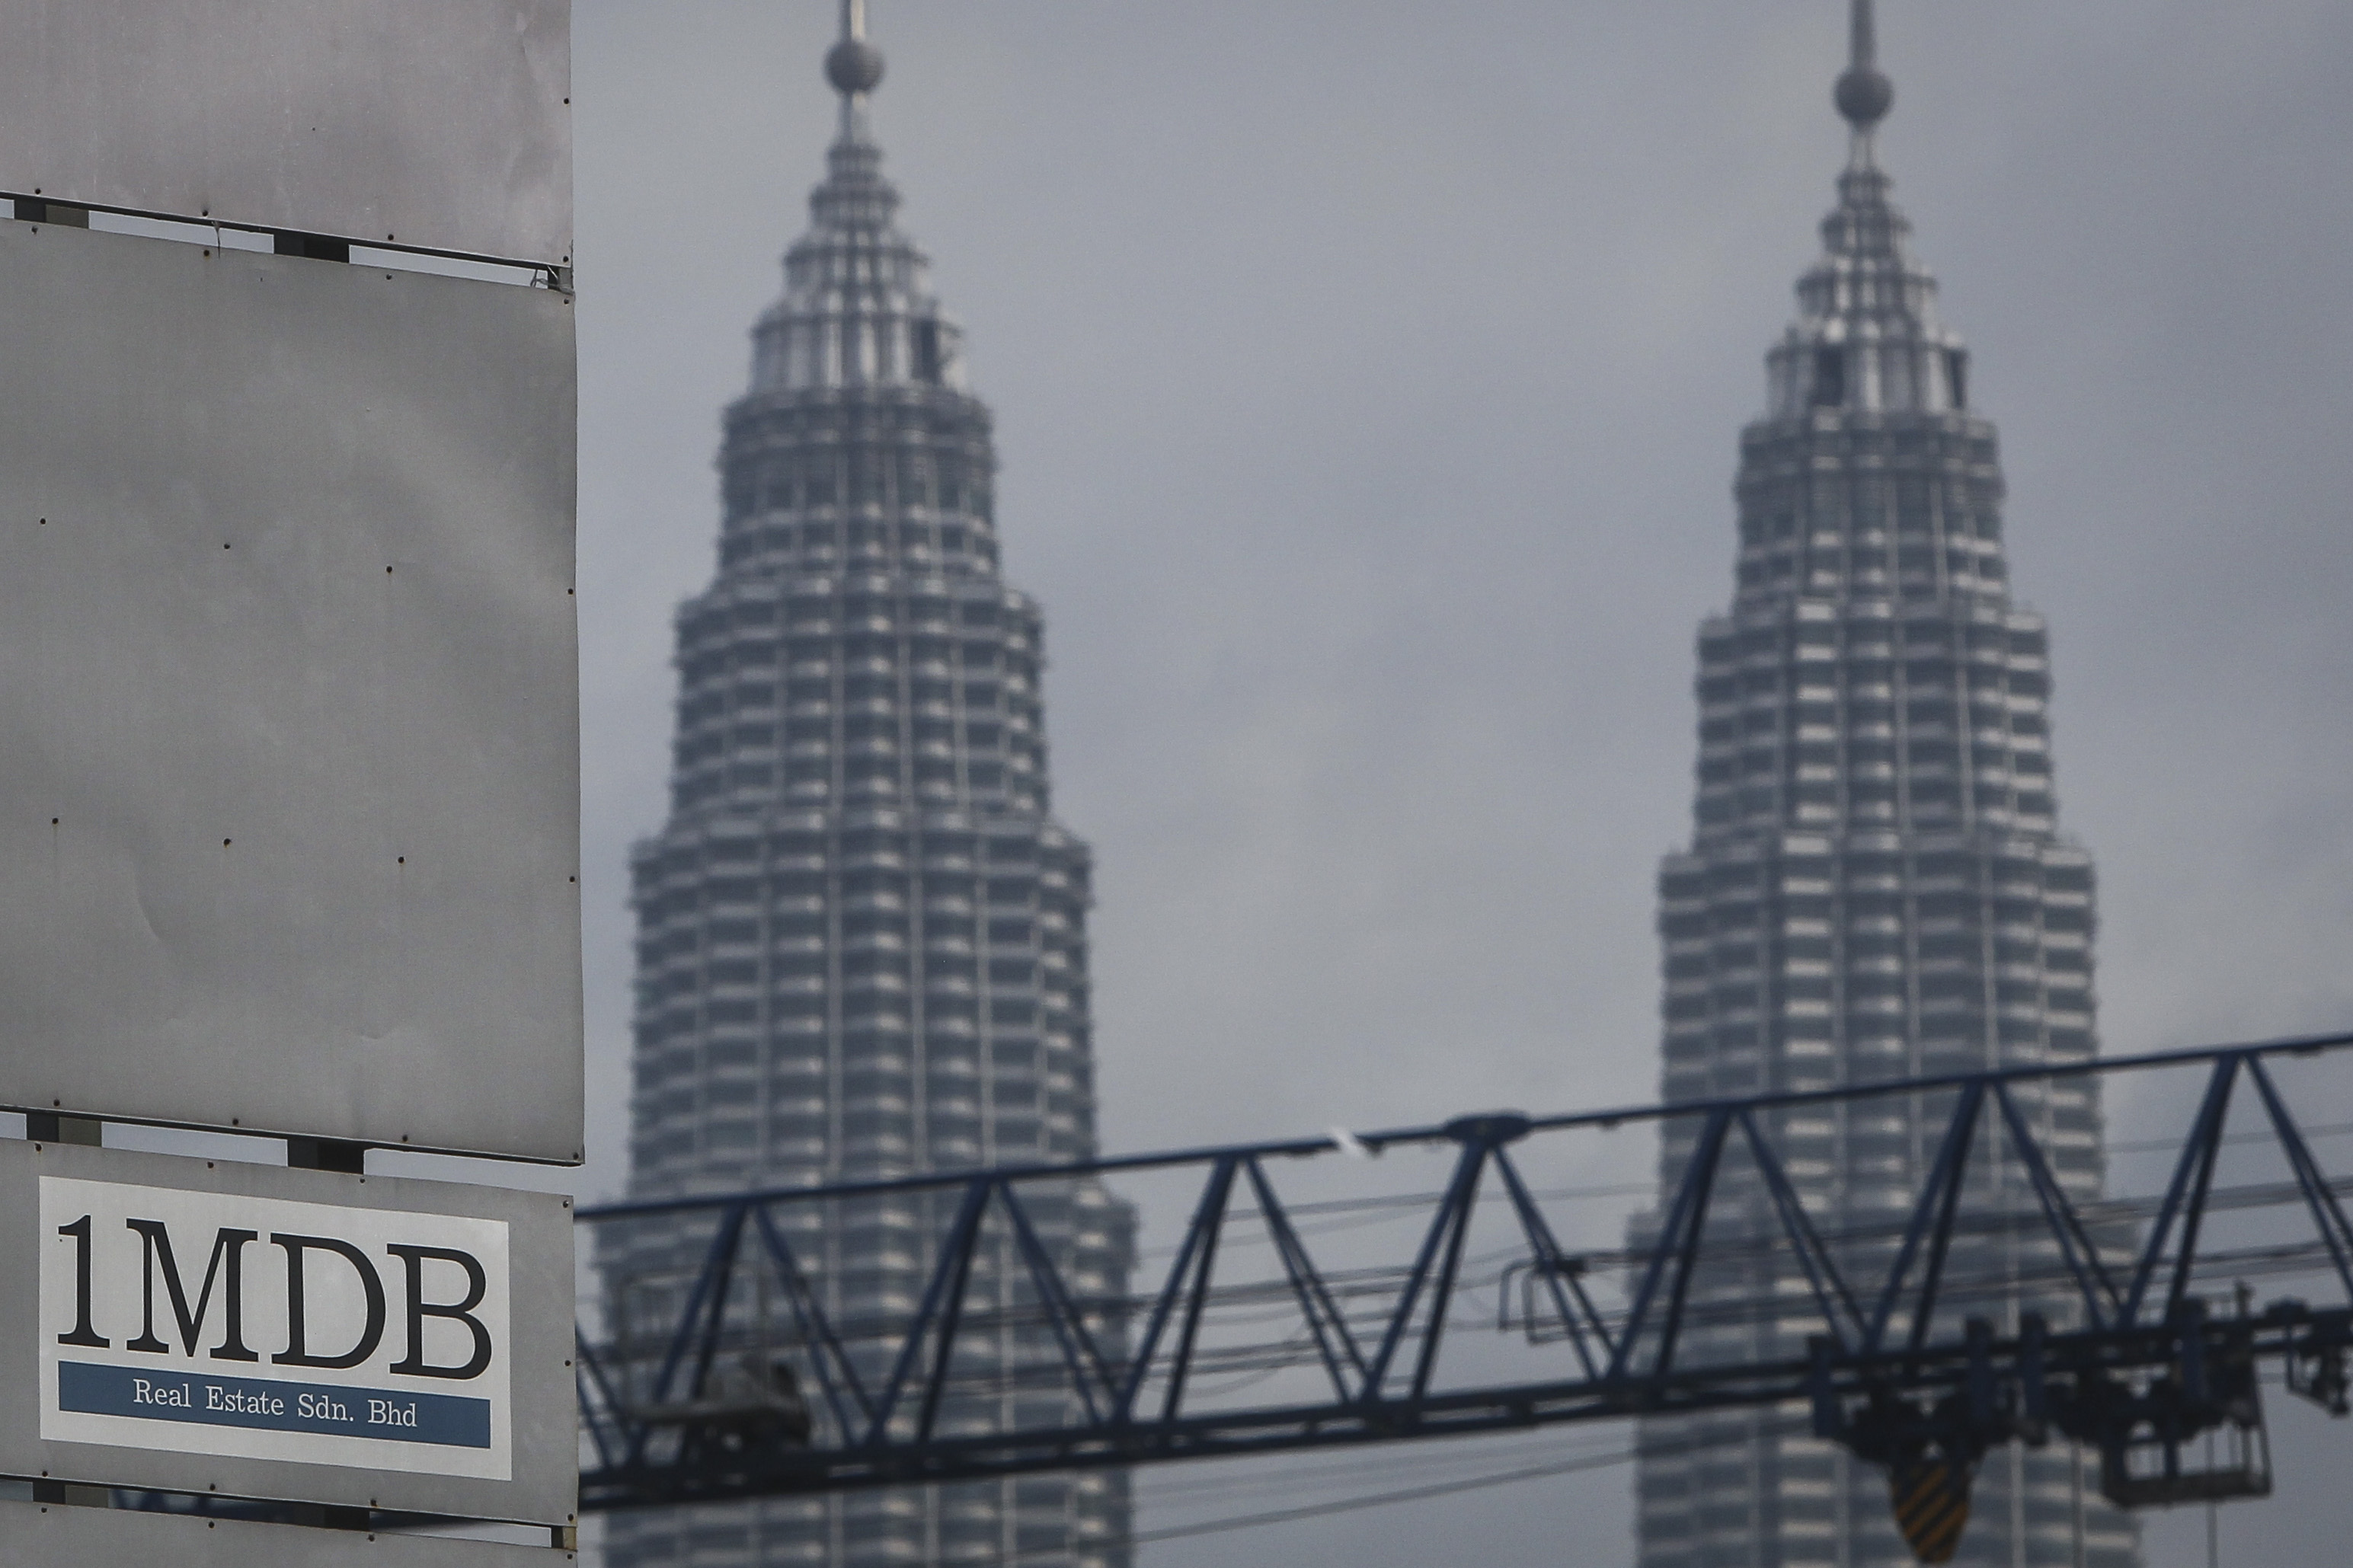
x=1863, y=94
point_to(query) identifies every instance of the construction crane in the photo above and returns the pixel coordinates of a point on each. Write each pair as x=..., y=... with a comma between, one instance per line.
x=2001, y=1308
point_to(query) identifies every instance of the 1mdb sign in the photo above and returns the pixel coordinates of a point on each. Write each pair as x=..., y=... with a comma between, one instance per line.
x=274, y=1329
x=211, y=1327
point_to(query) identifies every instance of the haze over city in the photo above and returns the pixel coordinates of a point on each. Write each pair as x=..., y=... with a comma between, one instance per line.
x=1367, y=382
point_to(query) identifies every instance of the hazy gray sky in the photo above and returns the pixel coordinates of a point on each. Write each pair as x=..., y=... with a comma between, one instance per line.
x=1368, y=378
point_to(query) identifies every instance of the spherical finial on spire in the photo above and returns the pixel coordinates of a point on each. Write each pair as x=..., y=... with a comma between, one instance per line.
x=853, y=66
x=1863, y=95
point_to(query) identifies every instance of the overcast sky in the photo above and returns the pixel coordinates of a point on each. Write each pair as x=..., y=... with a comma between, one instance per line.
x=1369, y=379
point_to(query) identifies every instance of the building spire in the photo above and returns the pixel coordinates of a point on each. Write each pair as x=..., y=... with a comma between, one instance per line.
x=858, y=309
x=1863, y=93
x=854, y=67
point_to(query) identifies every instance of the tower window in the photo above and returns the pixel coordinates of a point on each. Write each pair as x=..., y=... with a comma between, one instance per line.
x=1829, y=378
x=817, y=480
x=1957, y=374
x=927, y=351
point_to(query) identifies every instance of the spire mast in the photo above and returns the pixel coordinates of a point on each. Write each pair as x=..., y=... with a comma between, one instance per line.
x=1862, y=52
x=1863, y=94
x=854, y=67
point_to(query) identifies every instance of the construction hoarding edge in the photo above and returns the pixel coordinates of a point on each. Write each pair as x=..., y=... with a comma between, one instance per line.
x=436, y=124
x=290, y=824
x=37, y=1536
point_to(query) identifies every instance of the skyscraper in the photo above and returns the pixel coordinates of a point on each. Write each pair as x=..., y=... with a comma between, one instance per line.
x=863, y=942
x=1876, y=887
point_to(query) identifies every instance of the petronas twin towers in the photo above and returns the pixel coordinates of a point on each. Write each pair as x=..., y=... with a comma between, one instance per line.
x=862, y=934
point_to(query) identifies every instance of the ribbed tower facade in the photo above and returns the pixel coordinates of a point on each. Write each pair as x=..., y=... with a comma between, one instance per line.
x=863, y=945
x=1875, y=889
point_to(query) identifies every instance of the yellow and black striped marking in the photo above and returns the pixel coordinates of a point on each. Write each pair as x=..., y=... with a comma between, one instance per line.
x=1932, y=1504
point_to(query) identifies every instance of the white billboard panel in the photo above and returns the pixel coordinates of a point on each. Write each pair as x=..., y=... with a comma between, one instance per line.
x=289, y=696
x=308, y=1331
x=36, y=1535
x=256, y=1331
x=443, y=124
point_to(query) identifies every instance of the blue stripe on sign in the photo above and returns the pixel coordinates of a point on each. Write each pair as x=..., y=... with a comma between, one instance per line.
x=208, y=1400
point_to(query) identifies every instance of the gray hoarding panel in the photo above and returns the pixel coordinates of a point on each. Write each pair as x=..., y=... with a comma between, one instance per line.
x=35, y=1536
x=289, y=696
x=444, y=124
x=251, y=1330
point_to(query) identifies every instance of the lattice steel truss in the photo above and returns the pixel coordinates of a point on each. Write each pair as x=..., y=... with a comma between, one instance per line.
x=1903, y=1364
